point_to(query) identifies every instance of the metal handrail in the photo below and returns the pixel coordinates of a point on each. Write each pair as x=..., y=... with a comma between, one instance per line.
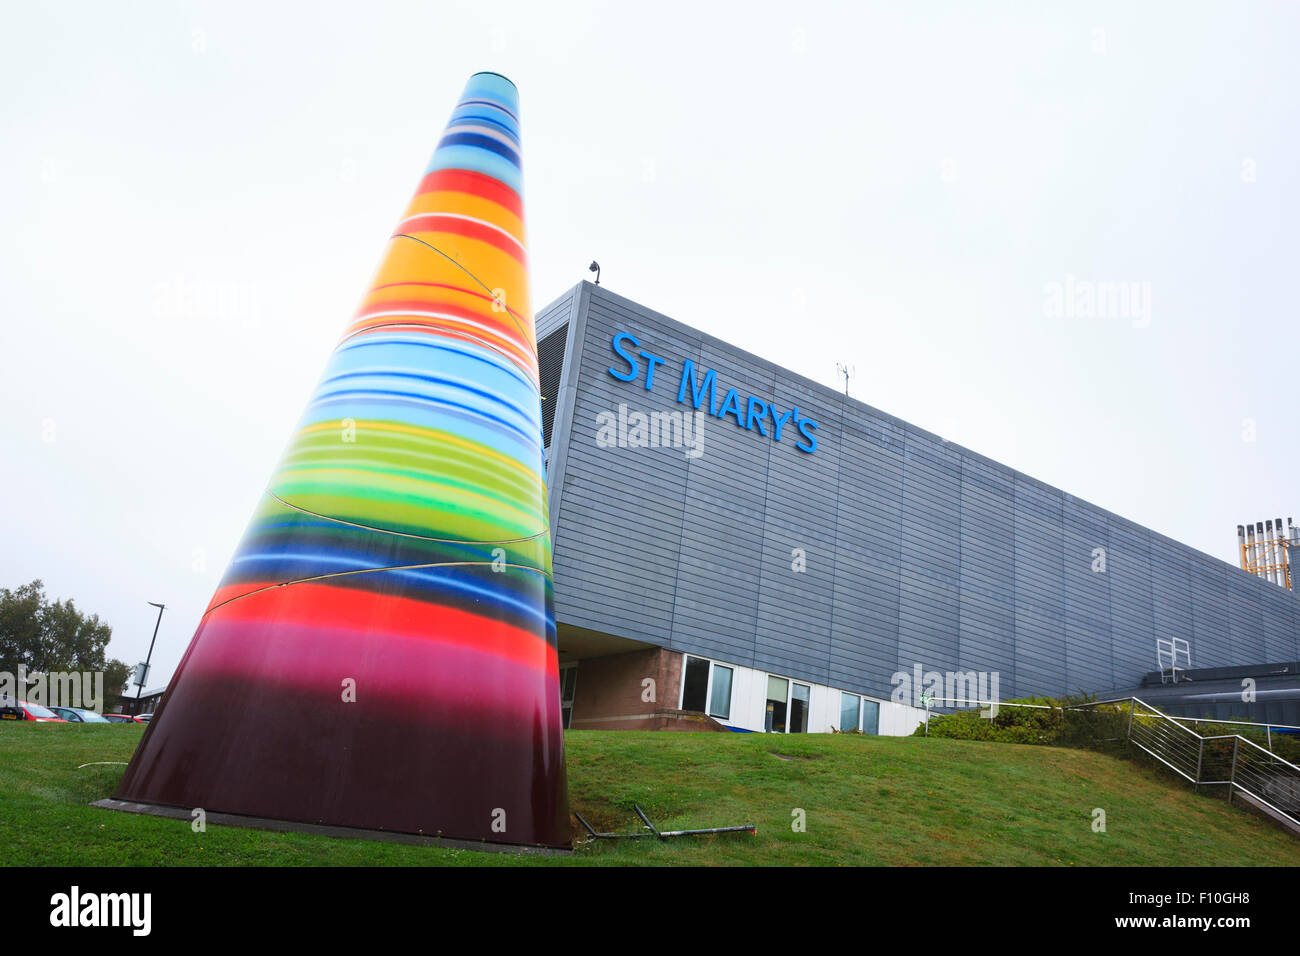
x=1272, y=756
x=1156, y=712
x=1195, y=720
x=989, y=703
x=1116, y=700
x=1239, y=723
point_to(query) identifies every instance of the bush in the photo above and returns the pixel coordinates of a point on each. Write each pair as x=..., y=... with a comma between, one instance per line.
x=1011, y=725
x=1102, y=727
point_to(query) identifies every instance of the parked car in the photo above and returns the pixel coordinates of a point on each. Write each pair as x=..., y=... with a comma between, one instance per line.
x=75, y=715
x=145, y=718
x=120, y=719
x=22, y=710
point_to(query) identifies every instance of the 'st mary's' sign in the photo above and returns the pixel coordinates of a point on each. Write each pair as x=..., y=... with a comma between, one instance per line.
x=750, y=413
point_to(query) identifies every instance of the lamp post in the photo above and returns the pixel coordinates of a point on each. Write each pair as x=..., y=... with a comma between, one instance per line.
x=139, y=689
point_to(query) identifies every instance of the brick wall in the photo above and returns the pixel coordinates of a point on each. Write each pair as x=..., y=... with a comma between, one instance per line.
x=608, y=695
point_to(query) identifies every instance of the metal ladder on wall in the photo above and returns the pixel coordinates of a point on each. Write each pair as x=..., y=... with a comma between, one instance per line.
x=1174, y=646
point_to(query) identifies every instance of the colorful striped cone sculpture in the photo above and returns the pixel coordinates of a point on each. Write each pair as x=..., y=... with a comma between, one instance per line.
x=381, y=651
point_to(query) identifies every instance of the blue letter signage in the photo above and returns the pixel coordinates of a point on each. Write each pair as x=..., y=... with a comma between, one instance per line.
x=749, y=413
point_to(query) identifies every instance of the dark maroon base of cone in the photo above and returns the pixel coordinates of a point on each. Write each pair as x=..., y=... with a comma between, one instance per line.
x=342, y=833
x=302, y=755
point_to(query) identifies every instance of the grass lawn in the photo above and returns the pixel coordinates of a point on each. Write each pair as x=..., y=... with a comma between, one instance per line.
x=868, y=801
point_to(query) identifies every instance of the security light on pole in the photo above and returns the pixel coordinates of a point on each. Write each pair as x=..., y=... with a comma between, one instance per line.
x=143, y=672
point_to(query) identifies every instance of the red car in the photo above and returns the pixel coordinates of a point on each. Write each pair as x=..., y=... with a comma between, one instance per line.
x=25, y=711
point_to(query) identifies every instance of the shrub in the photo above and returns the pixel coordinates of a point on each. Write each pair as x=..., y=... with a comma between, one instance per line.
x=1049, y=723
x=1100, y=727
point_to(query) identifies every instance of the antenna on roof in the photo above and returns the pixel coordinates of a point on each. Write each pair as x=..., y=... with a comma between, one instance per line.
x=846, y=372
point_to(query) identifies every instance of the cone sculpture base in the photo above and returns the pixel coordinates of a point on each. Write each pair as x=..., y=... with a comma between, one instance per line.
x=340, y=833
x=444, y=725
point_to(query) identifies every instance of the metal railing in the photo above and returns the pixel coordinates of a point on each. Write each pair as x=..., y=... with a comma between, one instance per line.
x=1264, y=730
x=1177, y=747
x=1229, y=760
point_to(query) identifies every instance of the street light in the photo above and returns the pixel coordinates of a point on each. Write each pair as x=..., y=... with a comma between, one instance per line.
x=140, y=686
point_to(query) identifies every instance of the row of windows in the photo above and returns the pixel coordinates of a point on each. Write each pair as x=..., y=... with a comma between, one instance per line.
x=706, y=687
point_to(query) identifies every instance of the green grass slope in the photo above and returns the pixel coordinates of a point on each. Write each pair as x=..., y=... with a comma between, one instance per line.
x=866, y=800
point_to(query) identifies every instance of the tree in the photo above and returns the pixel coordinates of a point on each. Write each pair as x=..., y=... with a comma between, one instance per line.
x=21, y=634
x=116, y=674
x=45, y=636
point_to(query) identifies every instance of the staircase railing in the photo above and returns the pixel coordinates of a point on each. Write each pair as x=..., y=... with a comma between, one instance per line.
x=1230, y=760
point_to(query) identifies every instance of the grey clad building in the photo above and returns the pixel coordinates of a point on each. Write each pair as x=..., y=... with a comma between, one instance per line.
x=738, y=546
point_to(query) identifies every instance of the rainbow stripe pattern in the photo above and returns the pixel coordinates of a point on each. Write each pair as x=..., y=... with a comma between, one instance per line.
x=381, y=650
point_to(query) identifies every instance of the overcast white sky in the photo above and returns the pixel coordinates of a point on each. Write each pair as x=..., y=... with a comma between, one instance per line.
x=194, y=195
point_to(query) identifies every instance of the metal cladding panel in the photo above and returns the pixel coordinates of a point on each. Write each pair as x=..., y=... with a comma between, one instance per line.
x=1281, y=620
x=1132, y=638
x=381, y=651
x=797, y=585
x=864, y=630
x=794, y=613
x=1171, y=597
x=1210, y=632
x=869, y=510
x=1086, y=539
x=1246, y=634
x=720, y=582
x=592, y=539
x=1040, y=589
x=986, y=614
x=929, y=569
x=556, y=314
x=915, y=550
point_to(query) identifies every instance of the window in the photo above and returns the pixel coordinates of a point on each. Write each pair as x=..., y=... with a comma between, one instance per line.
x=568, y=683
x=778, y=690
x=870, y=717
x=799, y=694
x=695, y=684
x=787, y=706
x=706, y=687
x=850, y=705
x=720, y=692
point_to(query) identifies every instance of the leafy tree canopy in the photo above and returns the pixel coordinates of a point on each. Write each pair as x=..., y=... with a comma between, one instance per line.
x=46, y=636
